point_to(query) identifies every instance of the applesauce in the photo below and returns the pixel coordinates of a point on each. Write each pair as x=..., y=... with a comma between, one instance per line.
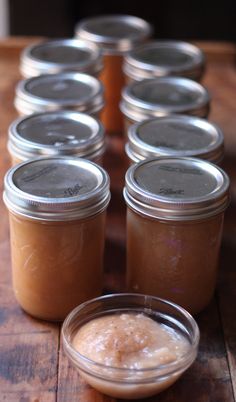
x=115, y=35
x=130, y=345
x=57, y=133
x=130, y=341
x=57, y=222
x=113, y=80
x=174, y=226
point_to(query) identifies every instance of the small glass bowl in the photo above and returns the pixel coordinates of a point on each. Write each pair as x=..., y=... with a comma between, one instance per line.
x=124, y=382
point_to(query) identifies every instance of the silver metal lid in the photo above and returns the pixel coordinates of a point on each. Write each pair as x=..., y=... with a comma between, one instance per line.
x=175, y=135
x=76, y=91
x=60, y=55
x=162, y=96
x=56, y=133
x=178, y=189
x=56, y=188
x=165, y=58
x=114, y=33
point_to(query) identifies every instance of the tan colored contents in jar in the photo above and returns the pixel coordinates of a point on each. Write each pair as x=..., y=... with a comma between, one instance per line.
x=177, y=261
x=56, y=265
x=113, y=79
x=129, y=341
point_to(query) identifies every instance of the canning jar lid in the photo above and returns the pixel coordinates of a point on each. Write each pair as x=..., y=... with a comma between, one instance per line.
x=175, y=135
x=56, y=133
x=70, y=90
x=59, y=55
x=114, y=33
x=157, y=97
x=179, y=189
x=56, y=188
x=164, y=58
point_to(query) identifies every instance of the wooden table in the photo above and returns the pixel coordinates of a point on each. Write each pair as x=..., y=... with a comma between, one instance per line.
x=32, y=364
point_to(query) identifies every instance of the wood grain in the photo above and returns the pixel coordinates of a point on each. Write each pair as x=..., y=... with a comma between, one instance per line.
x=33, y=366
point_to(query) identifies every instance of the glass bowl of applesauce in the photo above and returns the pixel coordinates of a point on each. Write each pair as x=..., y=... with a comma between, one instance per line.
x=130, y=345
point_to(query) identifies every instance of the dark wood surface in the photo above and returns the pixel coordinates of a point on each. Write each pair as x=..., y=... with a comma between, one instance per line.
x=33, y=367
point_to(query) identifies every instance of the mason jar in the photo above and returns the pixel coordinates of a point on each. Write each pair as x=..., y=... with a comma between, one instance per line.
x=115, y=35
x=164, y=58
x=174, y=225
x=158, y=97
x=64, y=132
x=175, y=135
x=50, y=92
x=60, y=55
x=57, y=221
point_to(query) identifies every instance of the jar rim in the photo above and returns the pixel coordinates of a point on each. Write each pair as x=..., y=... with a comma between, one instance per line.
x=138, y=67
x=138, y=108
x=32, y=65
x=28, y=144
x=185, y=136
x=176, y=200
x=52, y=197
x=92, y=29
x=90, y=102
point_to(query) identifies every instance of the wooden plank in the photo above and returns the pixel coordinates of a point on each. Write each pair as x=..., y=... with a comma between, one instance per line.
x=221, y=82
x=13, y=45
x=227, y=294
x=223, y=52
x=222, y=85
x=28, y=368
x=29, y=348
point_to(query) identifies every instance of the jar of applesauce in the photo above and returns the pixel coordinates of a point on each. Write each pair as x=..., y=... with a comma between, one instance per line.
x=163, y=58
x=69, y=90
x=156, y=97
x=175, y=135
x=57, y=220
x=115, y=35
x=60, y=55
x=58, y=133
x=174, y=225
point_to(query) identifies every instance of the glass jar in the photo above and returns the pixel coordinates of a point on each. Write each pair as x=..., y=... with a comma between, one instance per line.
x=164, y=58
x=175, y=135
x=56, y=133
x=115, y=35
x=174, y=225
x=57, y=221
x=50, y=92
x=60, y=55
x=131, y=383
x=158, y=97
